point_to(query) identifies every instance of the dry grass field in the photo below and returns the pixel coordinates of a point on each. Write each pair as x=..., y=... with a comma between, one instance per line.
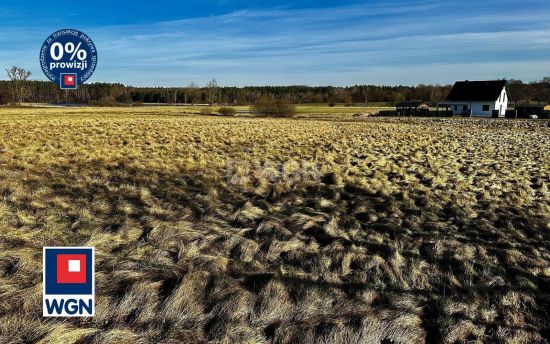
x=302, y=110
x=249, y=230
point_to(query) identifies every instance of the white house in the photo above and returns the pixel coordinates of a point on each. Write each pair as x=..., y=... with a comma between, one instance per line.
x=478, y=98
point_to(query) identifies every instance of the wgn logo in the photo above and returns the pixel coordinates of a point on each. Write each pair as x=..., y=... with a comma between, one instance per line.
x=68, y=280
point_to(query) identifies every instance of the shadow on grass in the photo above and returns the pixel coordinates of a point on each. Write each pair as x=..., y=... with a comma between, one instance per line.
x=417, y=270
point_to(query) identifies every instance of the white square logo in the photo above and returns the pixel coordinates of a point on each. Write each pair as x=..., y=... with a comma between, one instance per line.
x=74, y=266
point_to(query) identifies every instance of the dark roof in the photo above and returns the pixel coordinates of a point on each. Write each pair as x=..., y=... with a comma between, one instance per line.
x=411, y=104
x=476, y=90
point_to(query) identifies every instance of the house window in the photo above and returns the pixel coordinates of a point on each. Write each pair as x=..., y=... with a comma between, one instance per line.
x=456, y=107
x=465, y=107
x=485, y=108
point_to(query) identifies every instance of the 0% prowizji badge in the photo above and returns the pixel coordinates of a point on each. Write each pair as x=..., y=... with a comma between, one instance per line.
x=68, y=57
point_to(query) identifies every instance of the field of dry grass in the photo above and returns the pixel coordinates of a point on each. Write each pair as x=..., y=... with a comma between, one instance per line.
x=233, y=230
x=302, y=110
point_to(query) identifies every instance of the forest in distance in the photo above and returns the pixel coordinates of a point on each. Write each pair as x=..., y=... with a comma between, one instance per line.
x=213, y=93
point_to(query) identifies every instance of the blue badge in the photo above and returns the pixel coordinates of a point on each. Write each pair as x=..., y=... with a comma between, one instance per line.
x=68, y=57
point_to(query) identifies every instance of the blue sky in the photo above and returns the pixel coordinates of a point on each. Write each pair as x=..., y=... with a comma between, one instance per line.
x=270, y=42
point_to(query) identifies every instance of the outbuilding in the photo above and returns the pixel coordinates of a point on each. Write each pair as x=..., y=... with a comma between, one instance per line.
x=412, y=108
x=526, y=111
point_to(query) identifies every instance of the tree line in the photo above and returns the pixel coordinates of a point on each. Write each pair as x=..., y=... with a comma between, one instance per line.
x=19, y=89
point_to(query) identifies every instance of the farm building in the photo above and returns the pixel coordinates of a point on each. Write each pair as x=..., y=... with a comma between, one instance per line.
x=478, y=98
x=412, y=108
x=524, y=111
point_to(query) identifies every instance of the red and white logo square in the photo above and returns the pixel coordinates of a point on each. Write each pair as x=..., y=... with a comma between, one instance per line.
x=69, y=79
x=71, y=268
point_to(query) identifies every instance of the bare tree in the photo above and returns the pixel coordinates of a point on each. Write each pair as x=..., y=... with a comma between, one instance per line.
x=212, y=88
x=19, y=77
x=191, y=92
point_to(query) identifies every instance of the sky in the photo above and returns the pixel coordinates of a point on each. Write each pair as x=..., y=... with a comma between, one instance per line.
x=272, y=42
